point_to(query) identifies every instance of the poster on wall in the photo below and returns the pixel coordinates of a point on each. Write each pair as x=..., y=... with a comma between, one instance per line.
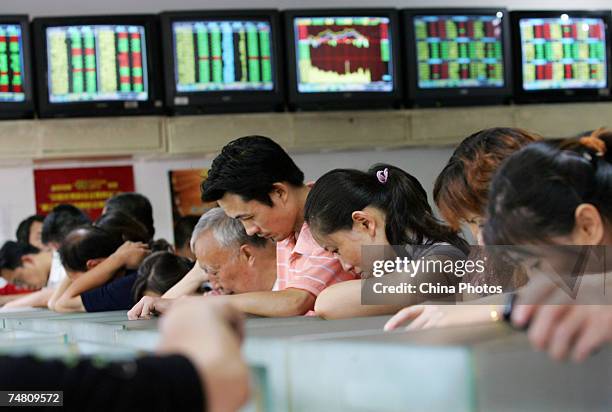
x=185, y=192
x=85, y=187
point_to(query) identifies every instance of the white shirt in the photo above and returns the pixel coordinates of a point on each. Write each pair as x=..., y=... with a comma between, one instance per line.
x=57, y=273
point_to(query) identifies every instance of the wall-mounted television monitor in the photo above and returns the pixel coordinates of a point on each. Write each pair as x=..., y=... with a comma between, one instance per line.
x=222, y=60
x=561, y=55
x=16, y=99
x=345, y=58
x=457, y=56
x=98, y=65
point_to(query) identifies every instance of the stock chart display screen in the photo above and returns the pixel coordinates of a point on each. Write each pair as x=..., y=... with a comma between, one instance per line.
x=459, y=51
x=11, y=63
x=223, y=55
x=563, y=53
x=343, y=54
x=96, y=63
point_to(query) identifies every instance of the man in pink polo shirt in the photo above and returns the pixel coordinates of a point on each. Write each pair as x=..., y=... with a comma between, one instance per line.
x=255, y=181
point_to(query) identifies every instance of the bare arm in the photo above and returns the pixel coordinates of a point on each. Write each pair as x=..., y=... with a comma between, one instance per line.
x=95, y=277
x=36, y=299
x=130, y=254
x=284, y=303
x=66, y=304
x=4, y=299
x=430, y=315
x=189, y=284
x=58, y=291
x=343, y=300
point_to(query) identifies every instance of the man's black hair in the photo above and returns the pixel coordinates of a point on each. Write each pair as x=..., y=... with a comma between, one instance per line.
x=183, y=230
x=248, y=167
x=12, y=252
x=23, y=230
x=61, y=221
x=135, y=205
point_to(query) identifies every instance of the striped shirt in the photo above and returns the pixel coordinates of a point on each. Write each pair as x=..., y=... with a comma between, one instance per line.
x=302, y=264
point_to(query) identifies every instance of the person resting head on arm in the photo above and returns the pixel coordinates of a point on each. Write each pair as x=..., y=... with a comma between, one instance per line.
x=87, y=249
x=42, y=267
x=27, y=265
x=157, y=273
x=138, y=244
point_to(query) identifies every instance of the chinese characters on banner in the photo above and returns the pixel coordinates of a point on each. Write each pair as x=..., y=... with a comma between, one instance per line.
x=86, y=188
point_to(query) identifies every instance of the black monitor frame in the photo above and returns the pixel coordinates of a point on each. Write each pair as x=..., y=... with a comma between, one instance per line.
x=343, y=100
x=25, y=109
x=461, y=95
x=228, y=100
x=558, y=95
x=153, y=105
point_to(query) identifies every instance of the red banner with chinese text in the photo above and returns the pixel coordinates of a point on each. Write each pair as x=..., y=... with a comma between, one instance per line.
x=86, y=187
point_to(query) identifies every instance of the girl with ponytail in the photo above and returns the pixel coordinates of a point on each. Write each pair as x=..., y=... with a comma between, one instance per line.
x=347, y=209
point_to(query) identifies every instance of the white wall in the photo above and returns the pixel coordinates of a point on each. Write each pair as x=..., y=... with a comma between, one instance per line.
x=67, y=7
x=17, y=200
